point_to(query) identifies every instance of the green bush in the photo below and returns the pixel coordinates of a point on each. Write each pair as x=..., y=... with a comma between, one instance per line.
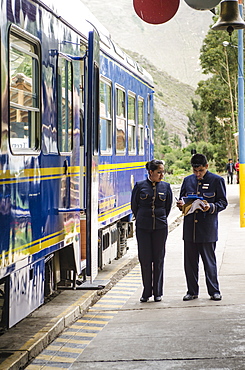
x=169, y=159
x=174, y=179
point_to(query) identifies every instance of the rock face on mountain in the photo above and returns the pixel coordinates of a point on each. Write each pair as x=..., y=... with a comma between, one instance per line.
x=172, y=49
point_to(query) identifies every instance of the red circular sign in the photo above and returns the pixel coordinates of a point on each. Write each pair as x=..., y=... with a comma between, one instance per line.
x=156, y=11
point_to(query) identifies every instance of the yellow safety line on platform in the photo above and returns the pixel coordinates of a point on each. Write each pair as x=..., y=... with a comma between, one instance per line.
x=66, y=349
x=242, y=193
x=71, y=343
x=35, y=367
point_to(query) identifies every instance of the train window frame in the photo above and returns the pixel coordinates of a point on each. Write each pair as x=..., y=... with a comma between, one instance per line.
x=66, y=146
x=106, y=115
x=120, y=118
x=131, y=124
x=141, y=125
x=26, y=138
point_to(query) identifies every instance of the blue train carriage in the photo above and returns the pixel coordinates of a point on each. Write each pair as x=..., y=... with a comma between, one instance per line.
x=125, y=144
x=58, y=173
x=43, y=59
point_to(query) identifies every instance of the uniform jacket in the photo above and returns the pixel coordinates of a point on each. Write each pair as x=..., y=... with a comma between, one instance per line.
x=202, y=227
x=151, y=204
x=230, y=167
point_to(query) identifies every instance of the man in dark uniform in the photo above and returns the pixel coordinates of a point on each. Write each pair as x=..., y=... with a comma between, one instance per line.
x=230, y=168
x=200, y=230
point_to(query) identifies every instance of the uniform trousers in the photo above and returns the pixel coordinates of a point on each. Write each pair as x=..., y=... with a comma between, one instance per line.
x=151, y=252
x=230, y=177
x=192, y=251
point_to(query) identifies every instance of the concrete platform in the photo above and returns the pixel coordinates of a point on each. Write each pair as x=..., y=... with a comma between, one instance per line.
x=115, y=330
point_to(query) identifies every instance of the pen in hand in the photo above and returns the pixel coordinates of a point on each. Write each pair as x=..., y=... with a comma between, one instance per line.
x=179, y=203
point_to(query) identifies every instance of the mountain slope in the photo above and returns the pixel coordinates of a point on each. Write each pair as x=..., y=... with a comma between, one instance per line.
x=172, y=98
x=170, y=52
x=172, y=47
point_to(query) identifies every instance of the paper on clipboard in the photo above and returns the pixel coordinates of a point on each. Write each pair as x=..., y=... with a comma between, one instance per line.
x=189, y=208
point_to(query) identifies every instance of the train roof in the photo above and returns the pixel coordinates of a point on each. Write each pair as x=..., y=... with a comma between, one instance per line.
x=78, y=14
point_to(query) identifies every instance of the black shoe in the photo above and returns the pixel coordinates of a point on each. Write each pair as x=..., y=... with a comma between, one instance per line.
x=216, y=297
x=157, y=299
x=189, y=297
x=143, y=299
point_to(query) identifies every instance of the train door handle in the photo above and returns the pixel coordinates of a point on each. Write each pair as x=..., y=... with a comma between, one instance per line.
x=65, y=167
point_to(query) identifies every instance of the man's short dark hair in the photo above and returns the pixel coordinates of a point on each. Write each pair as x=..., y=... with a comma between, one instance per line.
x=198, y=160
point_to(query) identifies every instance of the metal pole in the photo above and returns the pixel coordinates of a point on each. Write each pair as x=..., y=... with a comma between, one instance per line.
x=241, y=121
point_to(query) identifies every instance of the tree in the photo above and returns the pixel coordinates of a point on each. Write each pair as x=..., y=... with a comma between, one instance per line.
x=197, y=126
x=176, y=142
x=160, y=135
x=218, y=93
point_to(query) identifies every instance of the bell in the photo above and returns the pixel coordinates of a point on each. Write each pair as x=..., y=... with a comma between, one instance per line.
x=230, y=18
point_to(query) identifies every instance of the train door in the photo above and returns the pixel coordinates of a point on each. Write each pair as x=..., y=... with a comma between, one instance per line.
x=92, y=176
x=150, y=153
x=82, y=177
x=148, y=129
x=65, y=128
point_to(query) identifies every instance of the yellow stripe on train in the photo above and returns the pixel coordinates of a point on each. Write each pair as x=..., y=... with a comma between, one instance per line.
x=33, y=247
x=112, y=213
x=121, y=166
x=30, y=174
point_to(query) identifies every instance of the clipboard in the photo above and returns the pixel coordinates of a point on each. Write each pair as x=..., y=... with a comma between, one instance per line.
x=191, y=198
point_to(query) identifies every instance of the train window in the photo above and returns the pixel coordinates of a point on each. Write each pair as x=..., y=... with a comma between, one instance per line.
x=131, y=125
x=140, y=69
x=106, y=41
x=24, y=92
x=65, y=111
x=105, y=117
x=148, y=108
x=130, y=61
x=141, y=125
x=119, y=51
x=120, y=121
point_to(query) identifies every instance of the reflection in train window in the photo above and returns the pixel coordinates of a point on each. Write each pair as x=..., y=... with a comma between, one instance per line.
x=24, y=105
x=120, y=121
x=105, y=117
x=131, y=125
x=65, y=112
x=141, y=125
